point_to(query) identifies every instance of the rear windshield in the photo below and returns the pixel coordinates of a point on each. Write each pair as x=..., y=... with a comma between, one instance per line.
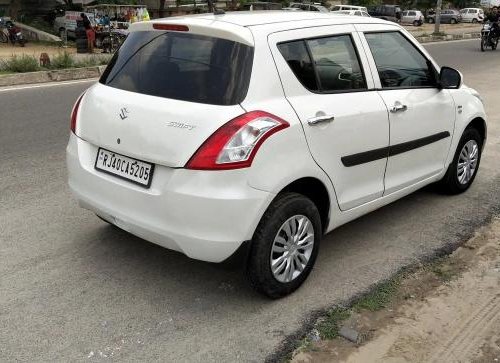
x=181, y=66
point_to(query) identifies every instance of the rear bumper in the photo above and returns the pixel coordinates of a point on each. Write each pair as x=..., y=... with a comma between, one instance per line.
x=203, y=214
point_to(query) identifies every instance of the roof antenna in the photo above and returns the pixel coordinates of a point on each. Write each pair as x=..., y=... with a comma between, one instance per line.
x=219, y=12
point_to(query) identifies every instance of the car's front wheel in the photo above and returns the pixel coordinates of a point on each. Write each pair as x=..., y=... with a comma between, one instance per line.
x=463, y=168
x=285, y=245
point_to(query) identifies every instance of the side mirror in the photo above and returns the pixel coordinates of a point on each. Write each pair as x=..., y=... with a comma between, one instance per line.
x=450, y=78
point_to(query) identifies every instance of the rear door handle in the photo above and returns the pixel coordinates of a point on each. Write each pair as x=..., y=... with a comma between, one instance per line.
x=320, y=119
x=398, y=107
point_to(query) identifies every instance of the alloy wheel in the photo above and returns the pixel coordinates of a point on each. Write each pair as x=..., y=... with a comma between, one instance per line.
x=292, y=248
x=467, y=162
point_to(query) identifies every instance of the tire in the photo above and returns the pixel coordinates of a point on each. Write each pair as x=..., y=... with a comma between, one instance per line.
x=474, y=20
x=451, y=183
x=484, y=40
x=431, y=21
x=3, y=37
x=453, y=21
x=287, y=208
x=416, y=23
x=81, y=46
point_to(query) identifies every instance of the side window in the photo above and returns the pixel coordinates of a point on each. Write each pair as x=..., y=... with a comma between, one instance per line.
x=412, y=13
x=299, y=61
x=336, y=64
x=325, y=64
x=358, y=13
x=399, y=63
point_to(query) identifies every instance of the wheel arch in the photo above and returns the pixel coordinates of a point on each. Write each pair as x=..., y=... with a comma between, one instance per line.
x=315, y=190
x=479, y=124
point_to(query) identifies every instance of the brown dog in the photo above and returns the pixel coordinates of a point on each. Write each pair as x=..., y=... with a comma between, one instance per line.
x=44, y=60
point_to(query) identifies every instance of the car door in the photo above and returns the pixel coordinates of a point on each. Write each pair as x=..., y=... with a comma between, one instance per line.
x=404, y=17
x=445, y=16
x=422, y=116
x=327, y=81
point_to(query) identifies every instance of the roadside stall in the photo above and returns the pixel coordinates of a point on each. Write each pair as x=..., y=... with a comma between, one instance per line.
x=112, y=22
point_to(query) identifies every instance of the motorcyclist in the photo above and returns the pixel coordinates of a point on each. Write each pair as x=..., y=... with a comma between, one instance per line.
x=13, y=31
x=494, y=17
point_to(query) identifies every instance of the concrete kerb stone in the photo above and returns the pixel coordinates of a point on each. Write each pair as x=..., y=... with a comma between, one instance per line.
x=448, y=37
x=59, y=75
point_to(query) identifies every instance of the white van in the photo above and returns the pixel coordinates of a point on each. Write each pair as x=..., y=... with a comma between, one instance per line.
x=66, y=24
x=472, y=15
x=348, y=7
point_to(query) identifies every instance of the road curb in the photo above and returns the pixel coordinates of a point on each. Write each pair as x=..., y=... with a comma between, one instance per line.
x=448, y=37
x=70, y=74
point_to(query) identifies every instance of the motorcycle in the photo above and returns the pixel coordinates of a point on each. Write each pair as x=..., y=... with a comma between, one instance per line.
x=15, y=35
x=487, y=38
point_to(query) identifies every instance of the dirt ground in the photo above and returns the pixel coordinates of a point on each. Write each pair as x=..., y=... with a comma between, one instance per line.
x=7, y=50
x=447, y=311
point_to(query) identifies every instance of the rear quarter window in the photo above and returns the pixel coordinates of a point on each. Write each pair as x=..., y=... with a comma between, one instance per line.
x=181, y=66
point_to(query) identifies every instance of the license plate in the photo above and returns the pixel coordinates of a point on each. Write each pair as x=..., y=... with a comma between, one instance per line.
x=124, y=167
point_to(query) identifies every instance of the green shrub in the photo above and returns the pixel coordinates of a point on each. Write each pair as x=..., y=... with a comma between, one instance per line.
x=61, y=61
x=20, y=64
x=93, y=60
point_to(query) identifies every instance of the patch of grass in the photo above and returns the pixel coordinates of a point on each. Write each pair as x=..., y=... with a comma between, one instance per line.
x=329, y=327
x=94, y=60
x=20, y=64
x=62, y=61
x=443, y=270
x=379, y=297
x=439, y=34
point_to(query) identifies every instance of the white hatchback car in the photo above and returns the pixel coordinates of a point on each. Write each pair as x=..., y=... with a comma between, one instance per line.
x=260, y=132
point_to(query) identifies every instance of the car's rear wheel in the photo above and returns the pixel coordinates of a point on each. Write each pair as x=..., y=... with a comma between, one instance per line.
x=431, y=20
x=474, y=20
x=284, y=246
x=453, y=21
x=463, y=169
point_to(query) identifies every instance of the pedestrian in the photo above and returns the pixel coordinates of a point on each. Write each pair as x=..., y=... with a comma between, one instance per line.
x=90, y=32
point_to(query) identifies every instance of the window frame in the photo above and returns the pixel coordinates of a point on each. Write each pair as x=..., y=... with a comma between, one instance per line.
x=316, y=75
x=430, y=64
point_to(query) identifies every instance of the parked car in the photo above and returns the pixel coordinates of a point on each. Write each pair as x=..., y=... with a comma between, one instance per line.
x=65, y=25
x=414, y=17
x=386, y=12
x=260, y=5
x=351, y=12
x=472, y=15
x=348, y=7
x=254, y=134
x=447, y=16
x=307, y=7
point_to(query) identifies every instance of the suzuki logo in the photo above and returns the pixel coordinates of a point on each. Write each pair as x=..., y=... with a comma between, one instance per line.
x=124, y=113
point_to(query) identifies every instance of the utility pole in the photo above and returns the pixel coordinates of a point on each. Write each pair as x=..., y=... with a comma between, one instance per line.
x=438, y=16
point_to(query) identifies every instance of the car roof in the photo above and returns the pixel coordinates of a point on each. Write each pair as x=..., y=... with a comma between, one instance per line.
x=253, y=18
x=236, y=26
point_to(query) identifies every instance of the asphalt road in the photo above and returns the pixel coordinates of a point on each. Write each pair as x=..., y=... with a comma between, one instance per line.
x=73, y=288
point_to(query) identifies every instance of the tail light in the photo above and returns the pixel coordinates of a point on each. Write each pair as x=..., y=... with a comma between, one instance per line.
x=234, y=145
x=171, y=27
x=74, y=113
